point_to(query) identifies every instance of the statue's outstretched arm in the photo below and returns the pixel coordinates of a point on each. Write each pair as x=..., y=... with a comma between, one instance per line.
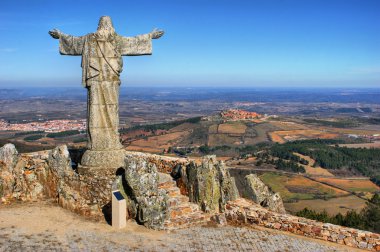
x=56, y=34
x=68, y=45
x=156, y=33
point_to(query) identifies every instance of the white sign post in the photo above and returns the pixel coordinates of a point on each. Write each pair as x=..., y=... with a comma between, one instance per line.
x=119, y=210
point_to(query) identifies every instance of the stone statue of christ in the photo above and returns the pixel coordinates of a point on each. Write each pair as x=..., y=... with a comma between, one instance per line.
x=102, y=64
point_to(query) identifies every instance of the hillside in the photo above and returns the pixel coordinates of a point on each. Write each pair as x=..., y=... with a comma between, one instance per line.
x=286, y=151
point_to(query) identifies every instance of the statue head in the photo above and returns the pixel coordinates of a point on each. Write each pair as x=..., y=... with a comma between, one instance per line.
x=105, y=27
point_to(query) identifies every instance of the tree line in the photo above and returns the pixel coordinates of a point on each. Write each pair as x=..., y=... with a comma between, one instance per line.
x=327, y=154
x=367, y=219
x=161, y=126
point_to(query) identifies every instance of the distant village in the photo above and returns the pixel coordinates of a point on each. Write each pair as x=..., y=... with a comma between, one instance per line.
x=238, y=114
x=47, y=126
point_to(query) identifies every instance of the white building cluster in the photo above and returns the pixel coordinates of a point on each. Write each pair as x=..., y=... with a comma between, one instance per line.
x=47, y=126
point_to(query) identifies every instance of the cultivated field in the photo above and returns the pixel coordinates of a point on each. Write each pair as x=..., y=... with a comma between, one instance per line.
x=156, y=144
x=274, y=137
x=223, y=139
x=351, y=131
x=262, y=130
x=232, y=128
x=284, y=125
x=352, y=185
x=297, y=187
x=332, y=206
x=362, y=145
x=282, y=136
x=314, y=171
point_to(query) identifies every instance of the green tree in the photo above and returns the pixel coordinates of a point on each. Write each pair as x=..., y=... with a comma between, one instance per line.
x=371, y=213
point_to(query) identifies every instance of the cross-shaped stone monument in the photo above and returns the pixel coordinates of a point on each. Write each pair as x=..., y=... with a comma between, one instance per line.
x=102, y=64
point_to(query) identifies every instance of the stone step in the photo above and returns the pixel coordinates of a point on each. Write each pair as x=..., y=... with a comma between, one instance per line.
x=185, y=207
x=165, y=180
x=187, y=220
x=167, y=184
x=173, y=192
x=175, y=201
x=182, y=212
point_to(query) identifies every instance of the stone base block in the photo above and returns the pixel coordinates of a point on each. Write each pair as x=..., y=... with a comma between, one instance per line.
x=104, y=159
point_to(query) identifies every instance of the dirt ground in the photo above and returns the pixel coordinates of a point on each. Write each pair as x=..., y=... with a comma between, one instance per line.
x=43, y=226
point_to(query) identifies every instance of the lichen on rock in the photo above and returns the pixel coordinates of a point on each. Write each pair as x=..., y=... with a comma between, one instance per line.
x=59, y=160
x=8, y=162
x=260, y=193
x=209, y=184
x=146, y=202
x=8, y=157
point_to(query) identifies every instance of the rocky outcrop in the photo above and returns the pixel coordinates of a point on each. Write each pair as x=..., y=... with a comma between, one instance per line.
x=8, y=157
x=257, y=191
x=146, y=202
x=59, y=161
x=17, y=176
x=8, y=161
x=209, y=184
x=48, y=174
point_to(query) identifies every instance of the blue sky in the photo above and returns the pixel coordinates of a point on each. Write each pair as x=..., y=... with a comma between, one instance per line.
x=229, y=43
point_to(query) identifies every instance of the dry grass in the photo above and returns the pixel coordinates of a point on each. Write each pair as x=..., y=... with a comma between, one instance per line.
x=332, y=206
x=232, y=128
x=223, y=139
x=213, y=129
x=297, y=187
x=276, y=138
x=308, y=185
x=351, y=131
x=156, y=144
x=362, y=145
x=144, y=149
x=314, y=171
x=352, y=185
x=317, y=171
x=281, y=136
x=289, y=125
x=183, y=127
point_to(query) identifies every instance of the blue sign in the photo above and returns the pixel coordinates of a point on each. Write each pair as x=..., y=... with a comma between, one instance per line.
x=118, y=195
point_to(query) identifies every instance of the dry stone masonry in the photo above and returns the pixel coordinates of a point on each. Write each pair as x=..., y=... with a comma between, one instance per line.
x=242, y=211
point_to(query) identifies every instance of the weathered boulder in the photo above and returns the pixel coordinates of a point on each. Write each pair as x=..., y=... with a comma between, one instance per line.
x=210, y=184
x=257, y=191
x=228, y=187
x=8, y=161
x=8, y=157
x=59, y=161
x=146, y=202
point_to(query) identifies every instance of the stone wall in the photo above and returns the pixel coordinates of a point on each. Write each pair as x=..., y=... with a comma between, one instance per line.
x=49, y=174
x=242, y=211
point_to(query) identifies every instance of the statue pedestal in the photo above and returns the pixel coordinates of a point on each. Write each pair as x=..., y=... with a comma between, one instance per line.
x=104, y=159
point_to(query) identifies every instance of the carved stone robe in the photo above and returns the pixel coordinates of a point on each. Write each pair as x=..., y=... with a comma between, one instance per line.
x=101, y=67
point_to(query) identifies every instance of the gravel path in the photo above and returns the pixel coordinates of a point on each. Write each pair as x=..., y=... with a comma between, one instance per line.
x=42, y=226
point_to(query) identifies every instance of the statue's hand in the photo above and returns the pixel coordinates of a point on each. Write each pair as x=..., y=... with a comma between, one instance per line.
x=55, y=33
x=156, y=33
